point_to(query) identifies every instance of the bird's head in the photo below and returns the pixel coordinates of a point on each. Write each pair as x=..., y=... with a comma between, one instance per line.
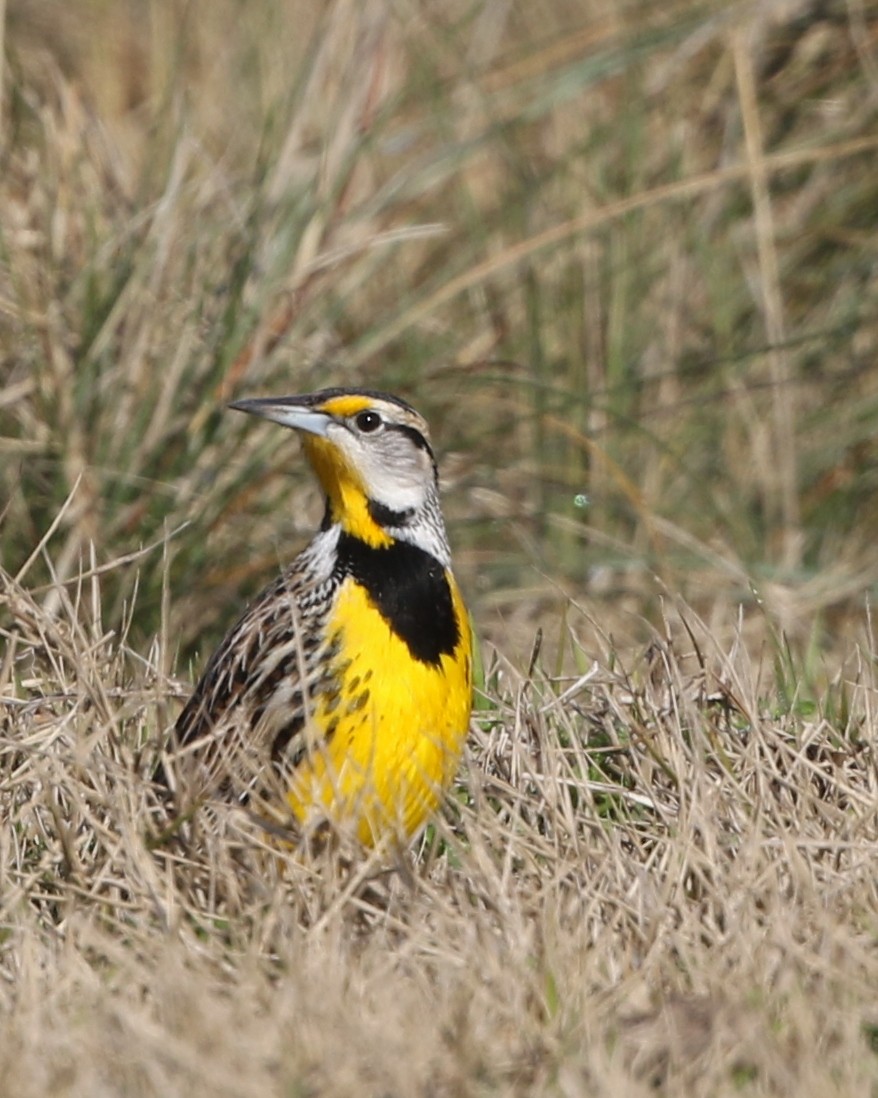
x=372, y=455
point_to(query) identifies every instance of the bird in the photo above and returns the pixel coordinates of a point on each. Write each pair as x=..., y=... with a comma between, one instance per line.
x=341, y=698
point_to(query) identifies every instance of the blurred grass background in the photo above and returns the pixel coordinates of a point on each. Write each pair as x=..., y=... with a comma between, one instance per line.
x=622, y=255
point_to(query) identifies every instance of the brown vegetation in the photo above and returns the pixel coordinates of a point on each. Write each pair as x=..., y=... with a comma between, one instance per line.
x=623, y=257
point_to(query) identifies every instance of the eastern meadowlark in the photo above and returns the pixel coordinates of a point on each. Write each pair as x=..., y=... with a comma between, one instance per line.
x=344, y=691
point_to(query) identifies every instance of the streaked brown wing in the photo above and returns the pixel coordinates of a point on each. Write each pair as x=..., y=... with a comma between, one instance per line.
x=244, y=722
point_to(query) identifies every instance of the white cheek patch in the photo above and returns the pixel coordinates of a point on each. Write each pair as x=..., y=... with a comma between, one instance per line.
x=393, y=472
x=399, y=480
x=400, y=487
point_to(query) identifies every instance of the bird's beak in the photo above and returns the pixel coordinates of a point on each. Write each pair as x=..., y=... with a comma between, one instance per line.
x=287, y=411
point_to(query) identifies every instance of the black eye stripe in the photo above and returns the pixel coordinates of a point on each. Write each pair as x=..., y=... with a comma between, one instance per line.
x=368, y=421
x=412, y=433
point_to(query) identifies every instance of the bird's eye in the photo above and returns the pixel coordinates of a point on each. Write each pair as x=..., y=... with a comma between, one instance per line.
x=367, y=422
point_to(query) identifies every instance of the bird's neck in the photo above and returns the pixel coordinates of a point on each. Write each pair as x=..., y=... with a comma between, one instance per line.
x=350, y=510
x=357, y=519
x=347, y=504
x=373, y=522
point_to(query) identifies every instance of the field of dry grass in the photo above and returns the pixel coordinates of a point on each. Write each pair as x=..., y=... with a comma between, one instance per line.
x=623, y=256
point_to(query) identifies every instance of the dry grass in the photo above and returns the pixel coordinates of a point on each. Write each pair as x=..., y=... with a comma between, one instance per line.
x=623, y=257
x=645, y=880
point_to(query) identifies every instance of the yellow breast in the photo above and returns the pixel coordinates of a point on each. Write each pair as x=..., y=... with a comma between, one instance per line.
x=388, y=741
